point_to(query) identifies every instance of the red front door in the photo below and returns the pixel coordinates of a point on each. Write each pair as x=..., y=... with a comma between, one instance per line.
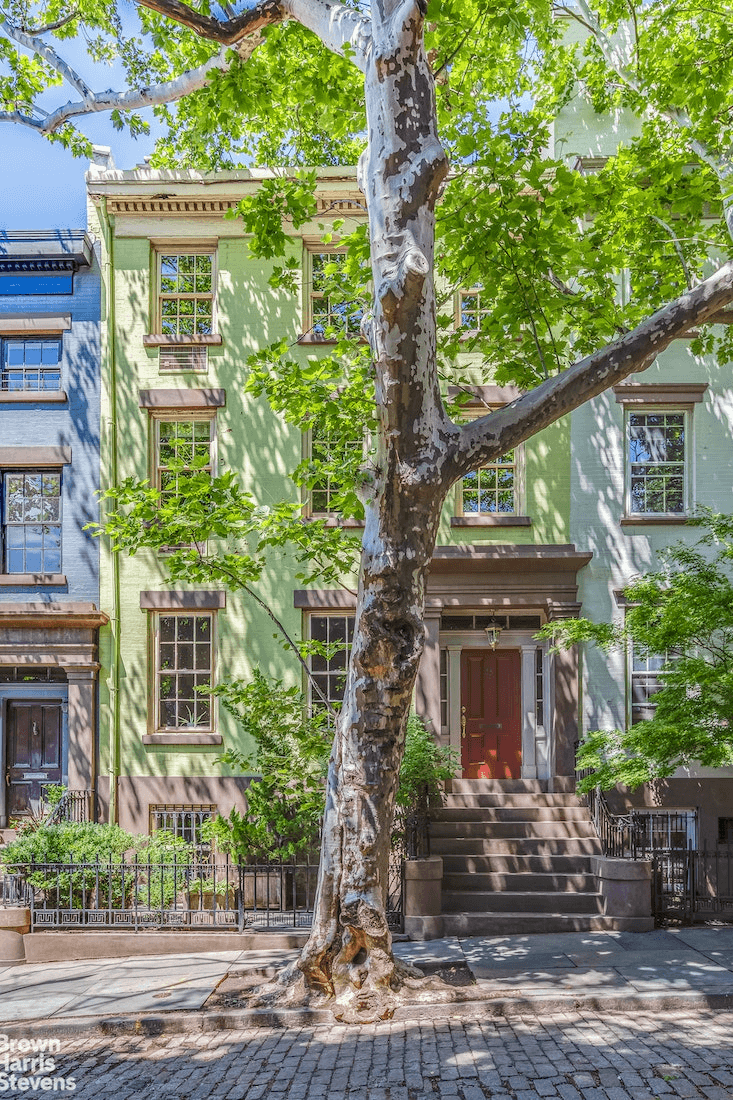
x=491, y=714
x=33, y=753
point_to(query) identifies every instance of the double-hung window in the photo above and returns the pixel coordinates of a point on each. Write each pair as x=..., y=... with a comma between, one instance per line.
x=657, y=462
x=30, y=364
x=186, y=293
x=659, y=449
x=491, y=490
x=31, y=521
x=184, y=664
x=331, y=312
x=647, y=678
x=182, y=448
x=329, y=668
x=334, y=461
x=472, y=308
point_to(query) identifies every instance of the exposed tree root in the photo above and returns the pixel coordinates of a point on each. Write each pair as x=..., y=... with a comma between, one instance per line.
x=358, y=999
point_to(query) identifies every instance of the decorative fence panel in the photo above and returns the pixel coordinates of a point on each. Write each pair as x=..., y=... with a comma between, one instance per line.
x=185, y=895
x=692, y=885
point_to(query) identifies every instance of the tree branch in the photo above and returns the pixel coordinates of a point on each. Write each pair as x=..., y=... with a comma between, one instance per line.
x=167, y=92
x=53, y=26
x=482, y=440
x=342, y=30
x=42, y=49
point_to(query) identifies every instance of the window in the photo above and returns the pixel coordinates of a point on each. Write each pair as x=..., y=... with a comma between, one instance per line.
x=657, y=480
x=331, y=312
x=186, y=293
x=646, y=680
x=472, y=308
x=184, y=820
x=491, y=490
x=338, y=458
x=30, y=364
x=31, y=521
x=444, y=689
x=539, y=688
x=329, y=672
x=184, y=656
x=183, y=447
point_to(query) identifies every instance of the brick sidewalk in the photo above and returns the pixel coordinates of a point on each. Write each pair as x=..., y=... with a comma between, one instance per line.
x=569, y=1056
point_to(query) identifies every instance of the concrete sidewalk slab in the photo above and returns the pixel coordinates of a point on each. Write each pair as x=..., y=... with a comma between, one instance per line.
x=475, y=958
x=545, y=972
x=431, y=953
x=539, y=983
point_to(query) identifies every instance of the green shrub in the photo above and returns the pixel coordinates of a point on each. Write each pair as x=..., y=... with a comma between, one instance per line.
x=285, y=805
x=425, y=766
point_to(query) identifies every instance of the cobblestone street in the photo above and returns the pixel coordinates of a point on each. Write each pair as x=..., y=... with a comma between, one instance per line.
x=567, y=1056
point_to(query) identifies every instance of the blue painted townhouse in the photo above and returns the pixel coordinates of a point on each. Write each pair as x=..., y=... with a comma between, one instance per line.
x=49, y=474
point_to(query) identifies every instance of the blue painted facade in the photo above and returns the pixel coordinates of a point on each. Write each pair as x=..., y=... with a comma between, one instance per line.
x=72, y=423
x=49, y=455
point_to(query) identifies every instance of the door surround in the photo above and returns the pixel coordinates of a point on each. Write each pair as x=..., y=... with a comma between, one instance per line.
x=41, y=693
x=537, y=754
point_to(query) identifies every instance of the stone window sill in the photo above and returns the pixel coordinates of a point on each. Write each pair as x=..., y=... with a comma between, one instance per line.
x=192, y=739
x=21, y=397
x=490, y=521
x=160, y=339
x=653, y=521
x=312, y=338
x=24, y=580
x=335, y=521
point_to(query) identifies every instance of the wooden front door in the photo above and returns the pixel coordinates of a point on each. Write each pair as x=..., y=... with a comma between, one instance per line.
x=491, y=714
x=33, y=753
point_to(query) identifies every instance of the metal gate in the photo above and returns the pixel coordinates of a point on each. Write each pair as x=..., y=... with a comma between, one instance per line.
x=692, y=884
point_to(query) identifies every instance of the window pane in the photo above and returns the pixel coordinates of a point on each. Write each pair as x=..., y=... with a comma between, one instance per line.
x=657, y=463
x=178, y=655
x=32, y=531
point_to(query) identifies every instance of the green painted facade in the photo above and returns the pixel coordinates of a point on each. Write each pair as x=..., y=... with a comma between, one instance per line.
x=133, y=221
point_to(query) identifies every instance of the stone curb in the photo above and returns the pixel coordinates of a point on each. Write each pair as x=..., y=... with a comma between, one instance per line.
x=490, y=1005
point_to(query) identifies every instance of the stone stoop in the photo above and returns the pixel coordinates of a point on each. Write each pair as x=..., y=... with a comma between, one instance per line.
x=516, y=859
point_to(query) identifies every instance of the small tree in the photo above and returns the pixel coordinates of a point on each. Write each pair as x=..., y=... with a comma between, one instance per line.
x=285, y=805
x=682, y=614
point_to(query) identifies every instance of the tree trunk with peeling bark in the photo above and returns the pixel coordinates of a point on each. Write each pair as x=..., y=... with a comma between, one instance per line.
x=349, y=951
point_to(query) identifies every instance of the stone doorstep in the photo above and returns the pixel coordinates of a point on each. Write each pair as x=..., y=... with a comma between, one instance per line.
x=173, y=1023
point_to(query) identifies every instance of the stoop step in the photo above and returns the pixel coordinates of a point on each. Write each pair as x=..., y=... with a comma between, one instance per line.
x=516, y=859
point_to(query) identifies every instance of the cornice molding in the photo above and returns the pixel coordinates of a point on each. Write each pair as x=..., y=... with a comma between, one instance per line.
x=351, y=203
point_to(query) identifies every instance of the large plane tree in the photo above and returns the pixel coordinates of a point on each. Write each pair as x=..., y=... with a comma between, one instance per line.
x=449, y=107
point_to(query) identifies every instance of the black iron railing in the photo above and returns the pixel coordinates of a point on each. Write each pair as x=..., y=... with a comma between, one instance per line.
x=185, y=893
x=636, y=834
x=693, y=884
x=73, y=806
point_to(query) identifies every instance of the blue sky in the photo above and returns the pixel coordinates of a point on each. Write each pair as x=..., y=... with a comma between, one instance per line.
x=42, y=185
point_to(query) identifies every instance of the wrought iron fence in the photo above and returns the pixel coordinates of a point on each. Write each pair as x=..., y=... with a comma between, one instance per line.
x=691, y=885
x=636, y=834
x=186, y=894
